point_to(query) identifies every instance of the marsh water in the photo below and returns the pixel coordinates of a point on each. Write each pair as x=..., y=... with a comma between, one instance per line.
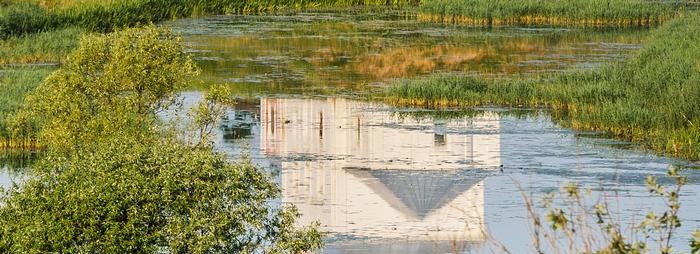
x=382, y=179
x=386, y=180
x=312, y=52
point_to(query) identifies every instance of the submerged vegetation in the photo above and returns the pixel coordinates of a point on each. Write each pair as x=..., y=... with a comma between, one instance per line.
x=115, y=179
x=653, y=98
x=596, y=13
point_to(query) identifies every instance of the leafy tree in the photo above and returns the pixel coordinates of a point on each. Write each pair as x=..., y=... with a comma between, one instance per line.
x=110, y=85
x=114, y=180
x=147, y=196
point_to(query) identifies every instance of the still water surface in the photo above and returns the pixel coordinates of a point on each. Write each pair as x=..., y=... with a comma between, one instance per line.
x=387, y=180
x=348, y=50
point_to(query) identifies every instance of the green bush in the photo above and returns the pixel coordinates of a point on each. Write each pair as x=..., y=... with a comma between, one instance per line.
x=110, y=84
x=148, y=196
x=115, y=180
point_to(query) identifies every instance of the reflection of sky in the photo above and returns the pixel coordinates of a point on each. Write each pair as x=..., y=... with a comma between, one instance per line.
x=533, y=151
x=5, y=180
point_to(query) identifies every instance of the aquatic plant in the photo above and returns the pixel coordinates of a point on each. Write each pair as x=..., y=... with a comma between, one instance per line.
x=114, y=179
x=652, y=98
x=30, y=16
x=617, y=13
x=40, y=48
x=15, y=84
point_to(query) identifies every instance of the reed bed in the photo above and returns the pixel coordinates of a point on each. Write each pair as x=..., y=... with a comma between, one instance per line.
x=653, y=98
x=15, y=84
x=20, y=17
x=41, y=48
x=579, y=13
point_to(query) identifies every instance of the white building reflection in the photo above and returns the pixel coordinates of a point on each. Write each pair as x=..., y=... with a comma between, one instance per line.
x=365, y=172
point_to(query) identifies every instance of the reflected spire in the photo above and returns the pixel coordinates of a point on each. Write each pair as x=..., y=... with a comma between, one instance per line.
x=422, y=192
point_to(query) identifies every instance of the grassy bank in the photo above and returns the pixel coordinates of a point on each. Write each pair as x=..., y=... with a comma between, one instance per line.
x=653, y=98
x=19, y=17
x=615, y=13
x=41, y=48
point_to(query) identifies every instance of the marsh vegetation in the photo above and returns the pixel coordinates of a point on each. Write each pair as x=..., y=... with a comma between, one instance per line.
x=84, y=93
x=586, y=13
x=115, y=179
x=651, y=98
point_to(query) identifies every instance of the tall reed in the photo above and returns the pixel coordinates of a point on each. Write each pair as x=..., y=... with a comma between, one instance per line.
x=617, y=13
x=15, y=84
x=30, y=16
x=40, y=48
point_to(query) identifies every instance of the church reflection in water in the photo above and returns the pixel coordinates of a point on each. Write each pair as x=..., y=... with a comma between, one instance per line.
x=366, y=172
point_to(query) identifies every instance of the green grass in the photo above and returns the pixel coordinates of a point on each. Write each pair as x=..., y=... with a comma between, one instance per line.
x=618, y=13
x=653, y=98
x=45, y=47
x=20, y=17
x=15, y=84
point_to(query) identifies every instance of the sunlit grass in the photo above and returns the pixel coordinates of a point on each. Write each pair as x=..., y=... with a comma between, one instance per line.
x=596, y=13
x=19, y=17
x=46, y=47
